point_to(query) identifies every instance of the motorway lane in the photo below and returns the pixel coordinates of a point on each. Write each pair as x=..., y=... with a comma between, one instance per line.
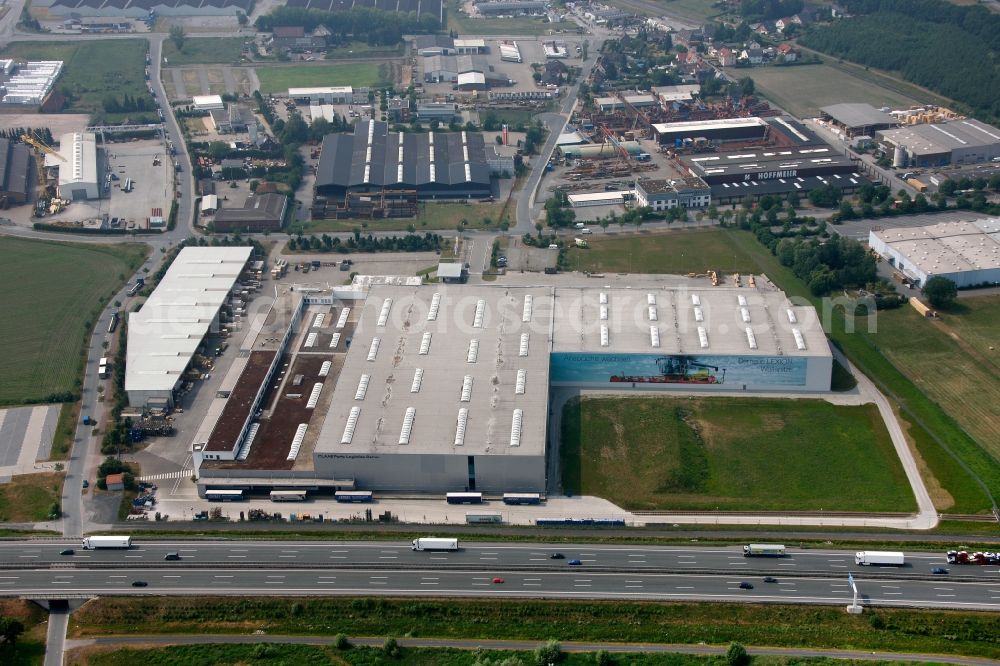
x=482, y=556
x=576, y=584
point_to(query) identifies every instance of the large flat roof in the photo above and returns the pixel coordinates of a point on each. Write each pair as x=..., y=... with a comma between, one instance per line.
x=490, y=372
x=700, y=125
x=768, y=159
x=578, y=327
x=79, y=158
x=164, y=334
x=948, y=247
x=936, y=138
x=857, y=114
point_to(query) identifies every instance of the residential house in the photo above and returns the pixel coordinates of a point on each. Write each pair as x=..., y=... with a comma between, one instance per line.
x=787, y=52
x=753, y=54
x=727, y=57
x=762, y=29
x=554, y=72
x=293, y=38
x=689, y=38
x=691, y=57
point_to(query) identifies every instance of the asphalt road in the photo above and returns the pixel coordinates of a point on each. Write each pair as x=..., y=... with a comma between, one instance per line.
x=575, y=583
x=475, y=556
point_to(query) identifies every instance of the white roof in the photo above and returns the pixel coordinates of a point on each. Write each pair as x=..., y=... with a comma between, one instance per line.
x=696, y=125
x=465, y=78
x=449, y=270
x=79, y=163
x=207, y=101
x=210, y=202
x=330, y=90
x=618, y=197
x=948, y=247
x=470, y=43
x=164, y=334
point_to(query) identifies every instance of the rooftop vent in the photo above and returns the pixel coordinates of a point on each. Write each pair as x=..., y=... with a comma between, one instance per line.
x=432, y=314
x=404, y=433
x=362, y=387
x=425, y=344
x=800, y=341
x=480, y=312
x=523, y=350
x=522, y=378
x=463, y=419
x=526, y=312
x=383, y=316
x=751, y=338
x=342, y=319
x=352, y=423
x=418, y=377
x=466, y=389
x=373, y=350
x=314, y=396
x=515, y=428
x=654, y=336
x=703, y=337
x=473, y=351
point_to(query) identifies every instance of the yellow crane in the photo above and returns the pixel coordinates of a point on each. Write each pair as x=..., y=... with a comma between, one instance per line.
x=40, y=162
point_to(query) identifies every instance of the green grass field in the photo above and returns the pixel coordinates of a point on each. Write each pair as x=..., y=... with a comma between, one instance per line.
x=279, y=78
x=731, y=454
x=92, y=69
x=430, y=217
x=938, y=632
x=200, y=50
x=961, y=374
x=520, y=25
x=803, y=89
x=52, y=290
x=932, y=427
x=692, y=10
x=356, y=49
x=694, y=251
x=28, y=498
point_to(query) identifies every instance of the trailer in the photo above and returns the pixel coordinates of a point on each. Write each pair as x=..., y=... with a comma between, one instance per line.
x=965, y=557
x=434, y=543
x=763, y=550
x=95, y=542
x=879, y=557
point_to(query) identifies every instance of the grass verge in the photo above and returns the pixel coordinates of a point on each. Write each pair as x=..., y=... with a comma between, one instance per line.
x=62, y=441
x=30, y=646
x=731, y=454
x=951, y=455
x=972, y=634
x=92, y=70
x=694, y=251
x=279, y=78
x=430, y=217
x=60, y=288
x=200, y=51
x=28, y=498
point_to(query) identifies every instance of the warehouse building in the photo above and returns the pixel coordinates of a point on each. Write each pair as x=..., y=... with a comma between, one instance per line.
x=165, y=334
x=15, y=173
x=30, y=82
x=325, y=95
x=720, y=130
x=660, y=194
x=966, y=141
x=260, y=212
x=435, y=165
x=967, y=253
x=208, y=103
x=142, y=9
x=78, y=172
x=856, y=119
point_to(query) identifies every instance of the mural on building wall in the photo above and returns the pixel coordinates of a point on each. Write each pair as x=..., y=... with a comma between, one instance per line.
x=585, y=368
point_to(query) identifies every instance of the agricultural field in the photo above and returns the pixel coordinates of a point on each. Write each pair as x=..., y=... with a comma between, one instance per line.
x=279, y=78
x=92, y=70
x=201, y=51
x=520, y=25
x=694, y=251
x=951, y=361
x=28, y=498
x=803, y=89
x=731, y=454
x=53, y=290
x=697, y=11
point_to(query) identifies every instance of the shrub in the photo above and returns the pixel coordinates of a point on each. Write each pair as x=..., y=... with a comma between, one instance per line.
x=737, y=655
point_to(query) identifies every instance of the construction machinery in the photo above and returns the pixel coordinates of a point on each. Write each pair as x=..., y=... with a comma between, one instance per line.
x=42, y=151
x=677, y=370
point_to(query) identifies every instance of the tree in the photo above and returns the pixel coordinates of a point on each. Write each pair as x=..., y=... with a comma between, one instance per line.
x=241, y=18
x=603, y=658
x=10, y=629
x=948, y=187
x=178, y=36
x=737, y=655
x=940, y=291
x=548, y=654
x=391, y=647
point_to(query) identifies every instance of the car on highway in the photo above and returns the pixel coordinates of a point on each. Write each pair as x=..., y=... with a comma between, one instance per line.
x=172, y=556
x=746, y=586
x=67, y=551
x=939, y=570
x=498, y=580
x=770, y=579
x=557, y=556
x=139, y=583
x=574, y=563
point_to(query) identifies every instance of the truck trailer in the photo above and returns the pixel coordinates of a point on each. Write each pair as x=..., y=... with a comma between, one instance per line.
x=94, y=542
x=965, y=557
x=434, y=543
x=876, y=557
x=763, y=550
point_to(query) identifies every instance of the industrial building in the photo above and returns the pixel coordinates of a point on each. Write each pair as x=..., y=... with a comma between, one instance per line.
x=141, y=9
x=661, y=194
x=208, y=103
x=433, y=165
x=857, y=119
x=733, y=177
x=965, y=141
x=435, y=45
x=29, y=83
x=720, y=130
x=15, y=173
x=433, y=7
x=445, y=68
x=967, y=253
x=329, y=95
x=509, y=51
x=77, y=164
x=446, y=387
x=166, y=333
x=260, y=212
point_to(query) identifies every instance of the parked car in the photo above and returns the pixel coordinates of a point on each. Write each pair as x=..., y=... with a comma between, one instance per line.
x=86, y=483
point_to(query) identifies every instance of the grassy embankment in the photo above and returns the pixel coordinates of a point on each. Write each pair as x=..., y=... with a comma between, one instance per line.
x=965, y=633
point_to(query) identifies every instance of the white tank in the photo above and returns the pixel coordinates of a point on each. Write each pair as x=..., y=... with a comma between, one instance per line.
x=899, y=157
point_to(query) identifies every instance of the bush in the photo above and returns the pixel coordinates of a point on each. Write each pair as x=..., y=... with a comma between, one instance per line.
x=391, y=648
x=548, y=654
x=603, y=658
x=340, y=642
x=737, y=655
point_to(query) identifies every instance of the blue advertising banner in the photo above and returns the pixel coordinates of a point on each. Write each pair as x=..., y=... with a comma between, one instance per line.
x=590, y=368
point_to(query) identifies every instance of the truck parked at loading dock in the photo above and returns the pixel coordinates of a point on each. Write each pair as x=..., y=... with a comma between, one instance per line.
x=878, y=557
x=95, y=542
x=763, y=550
x=434, y=543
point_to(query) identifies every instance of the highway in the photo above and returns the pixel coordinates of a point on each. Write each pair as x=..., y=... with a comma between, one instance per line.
x=485, y=557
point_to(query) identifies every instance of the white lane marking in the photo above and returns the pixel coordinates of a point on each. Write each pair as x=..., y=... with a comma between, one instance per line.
x=890, y=593
x=786, y=565
x=685, y=587
x=231, y=556
x=117, y=576
x=166, y=576
x=240, y=550
x=537, y=559
x=379, y=577
x=388, y=557
x=944, y=595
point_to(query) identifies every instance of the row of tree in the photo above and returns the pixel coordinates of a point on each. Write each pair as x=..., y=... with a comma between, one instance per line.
x=128, y=104
x=372, y=25
x=900, y=42
x=429, y=242
x=759, y=10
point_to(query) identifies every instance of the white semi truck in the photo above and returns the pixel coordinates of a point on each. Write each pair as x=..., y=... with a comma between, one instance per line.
x=763, y=550
x=434, y=543
x=95, y=542
x=879, y=557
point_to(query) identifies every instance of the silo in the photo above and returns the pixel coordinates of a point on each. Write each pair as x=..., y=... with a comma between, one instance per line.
x=899, y=157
